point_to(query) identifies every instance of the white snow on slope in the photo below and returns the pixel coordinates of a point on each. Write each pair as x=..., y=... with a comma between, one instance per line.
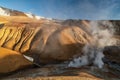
x=39, y=17
x=4, y=12
x=7, y=12
x=30, y=15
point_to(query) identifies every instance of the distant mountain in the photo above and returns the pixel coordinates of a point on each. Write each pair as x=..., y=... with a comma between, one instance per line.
x=10, y=12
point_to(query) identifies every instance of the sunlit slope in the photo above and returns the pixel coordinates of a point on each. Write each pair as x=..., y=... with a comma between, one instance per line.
x=20, y=19
x=12, y=60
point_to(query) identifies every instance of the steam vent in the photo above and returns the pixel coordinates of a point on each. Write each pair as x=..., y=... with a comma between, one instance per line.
x=38, y=48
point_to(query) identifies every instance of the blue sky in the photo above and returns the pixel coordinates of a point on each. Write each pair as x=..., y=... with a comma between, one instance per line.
x=68, y=9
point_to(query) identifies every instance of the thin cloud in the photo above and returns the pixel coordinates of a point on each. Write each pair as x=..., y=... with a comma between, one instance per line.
x=84, y=9
x=98, y=11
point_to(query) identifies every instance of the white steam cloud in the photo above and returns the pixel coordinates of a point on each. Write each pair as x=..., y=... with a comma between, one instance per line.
x=102, y=32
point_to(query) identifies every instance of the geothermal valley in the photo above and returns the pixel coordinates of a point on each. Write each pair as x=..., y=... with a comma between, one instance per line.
x=37, y=48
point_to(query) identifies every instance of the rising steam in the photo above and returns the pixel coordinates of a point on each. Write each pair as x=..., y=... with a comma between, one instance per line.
x=102, y=32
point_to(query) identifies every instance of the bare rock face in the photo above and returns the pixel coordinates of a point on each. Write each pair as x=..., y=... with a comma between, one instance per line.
x=112, y=53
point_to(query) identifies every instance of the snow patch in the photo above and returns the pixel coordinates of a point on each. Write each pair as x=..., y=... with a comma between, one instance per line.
x=39, y=17
x=4, y=12
x=29, y=15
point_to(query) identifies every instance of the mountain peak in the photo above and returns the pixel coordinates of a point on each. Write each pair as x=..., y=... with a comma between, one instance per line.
x=9, y=12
